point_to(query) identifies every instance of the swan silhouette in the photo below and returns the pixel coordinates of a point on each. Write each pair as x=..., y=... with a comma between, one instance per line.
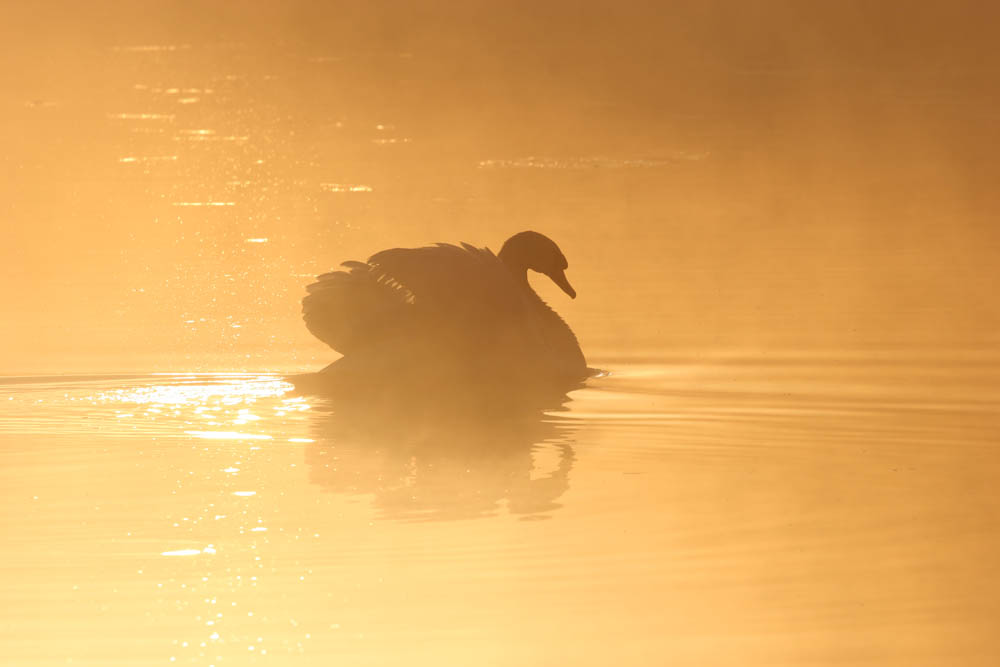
x=445, y=316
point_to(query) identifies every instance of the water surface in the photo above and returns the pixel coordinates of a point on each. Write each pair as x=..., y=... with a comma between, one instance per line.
x=720, y=508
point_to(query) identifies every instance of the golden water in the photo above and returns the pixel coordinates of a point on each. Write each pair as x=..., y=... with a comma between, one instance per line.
x=788, y=509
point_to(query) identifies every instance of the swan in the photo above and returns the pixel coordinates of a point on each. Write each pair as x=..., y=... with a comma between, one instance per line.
x=455, y=314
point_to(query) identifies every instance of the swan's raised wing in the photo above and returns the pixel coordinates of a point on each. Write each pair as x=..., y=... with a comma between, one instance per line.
x=437, y=289
x=462, y=282
x=349, y=310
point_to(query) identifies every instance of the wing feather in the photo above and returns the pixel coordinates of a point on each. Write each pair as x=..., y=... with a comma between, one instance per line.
x=349, y=310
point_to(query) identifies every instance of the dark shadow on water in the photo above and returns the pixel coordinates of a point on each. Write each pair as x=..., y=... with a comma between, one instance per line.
x=424, y=452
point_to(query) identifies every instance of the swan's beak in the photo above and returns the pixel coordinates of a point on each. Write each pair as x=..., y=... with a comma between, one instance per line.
x=559, y=278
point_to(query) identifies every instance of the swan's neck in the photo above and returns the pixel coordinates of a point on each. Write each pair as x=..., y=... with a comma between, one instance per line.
x=517, y=266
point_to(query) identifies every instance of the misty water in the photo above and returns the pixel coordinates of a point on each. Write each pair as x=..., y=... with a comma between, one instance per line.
x=781, y=227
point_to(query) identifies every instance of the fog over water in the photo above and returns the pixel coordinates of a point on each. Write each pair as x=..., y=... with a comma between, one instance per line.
x=716, y=174
x=780, y=220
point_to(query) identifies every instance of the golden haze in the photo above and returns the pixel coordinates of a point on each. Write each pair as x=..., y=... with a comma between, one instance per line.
x=780, y=220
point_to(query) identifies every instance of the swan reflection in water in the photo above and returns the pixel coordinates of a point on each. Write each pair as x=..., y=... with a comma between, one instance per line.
x=450, y=360
x=424, y=464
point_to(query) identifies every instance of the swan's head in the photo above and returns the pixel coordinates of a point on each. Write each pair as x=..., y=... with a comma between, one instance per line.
x=531, y=250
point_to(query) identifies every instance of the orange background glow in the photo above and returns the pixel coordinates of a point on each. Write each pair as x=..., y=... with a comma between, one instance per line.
x=726, y=172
